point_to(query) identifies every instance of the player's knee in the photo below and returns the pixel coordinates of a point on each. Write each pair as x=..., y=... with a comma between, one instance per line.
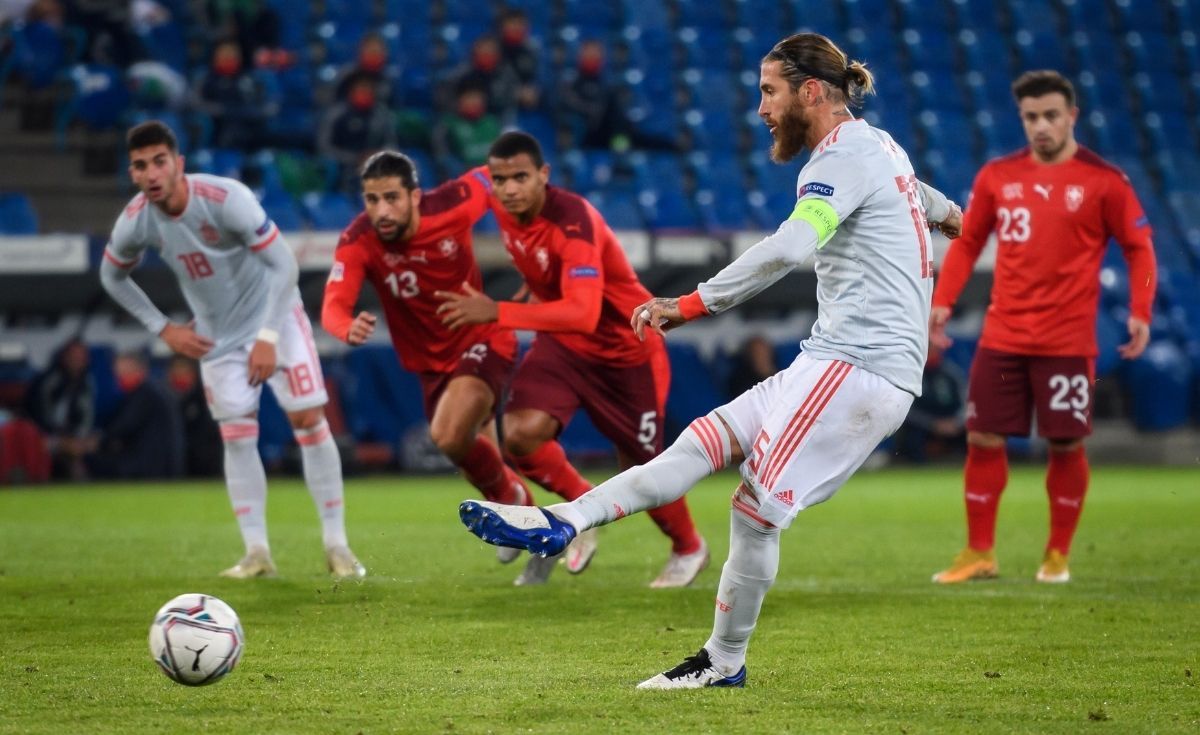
x=453, y=441
x=306, y=418
x=1065, y=445
x=240, y=431
x=523, y=435
x=985, y=439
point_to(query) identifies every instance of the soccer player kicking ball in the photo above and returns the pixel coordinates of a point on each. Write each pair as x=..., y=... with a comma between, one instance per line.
x=584, y=354
x=409, y=244
x=239, y=278
x=1053, y=207
x=800, y=434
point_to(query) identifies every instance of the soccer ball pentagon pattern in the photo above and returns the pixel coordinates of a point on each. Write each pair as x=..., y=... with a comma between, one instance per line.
x=196, y=639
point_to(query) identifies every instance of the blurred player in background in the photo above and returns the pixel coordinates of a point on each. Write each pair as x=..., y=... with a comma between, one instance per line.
x=239, y=278
x=1053, y=207
x=410, y=244
x=584, y=355
x=800, y=434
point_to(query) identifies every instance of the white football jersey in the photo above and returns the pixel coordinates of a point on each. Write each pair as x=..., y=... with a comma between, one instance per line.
x=212, y=247
x=875, y=274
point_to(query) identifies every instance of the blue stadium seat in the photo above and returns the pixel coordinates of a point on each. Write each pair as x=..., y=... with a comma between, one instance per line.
x=619, y=208
x=1160, y=385
x=381, y=400
x=1144, y=17
x=17, y=216
x=167, y=42
x=938, y=90
x=349, y=11
x=925, y=16
x=602, y=17
x=340, y=38
x=98, y=98
x=987, y=53
x=931, y=50
x=589, y=169
x=1113, y=133
x=667, y=207
x=284, y=211
x=225, y=162
x=1168, y=129
x=646, y=14
x=1151, y=51
x=820, y=17
x=693, y=391
x=1041, y=49
x=705, y=48
x=762, y=17
x=328, y=210
x=702, y=14
x=977, y=14
x=723, y=210
x=540, y=126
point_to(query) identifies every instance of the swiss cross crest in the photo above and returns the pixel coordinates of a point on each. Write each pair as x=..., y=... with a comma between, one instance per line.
x=209, y=234
x=448, y=247
x=1013, y=191
x=542, y=258
x=393, y=259
x=1074, y=197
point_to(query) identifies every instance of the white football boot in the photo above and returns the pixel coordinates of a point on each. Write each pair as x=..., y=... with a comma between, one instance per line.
x=537, y=570
x=579, y=554
x=256, y=563
x=343, y=564
x=696, y=672
x=682, y=569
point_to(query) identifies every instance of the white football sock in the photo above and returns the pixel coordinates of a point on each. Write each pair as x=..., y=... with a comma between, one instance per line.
x=747, y=575
x=245, y=479
x=667, y=477
x=323, y=475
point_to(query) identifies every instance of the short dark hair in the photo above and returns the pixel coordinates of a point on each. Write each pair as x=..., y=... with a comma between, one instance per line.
x=386, y=164
x=151, y=132
x=514, y=143
x=1041, y=82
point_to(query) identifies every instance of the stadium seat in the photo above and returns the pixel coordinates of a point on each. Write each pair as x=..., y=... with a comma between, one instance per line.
x=98, y=98
x=381, y=400
x=17, y=216
x=762, y=18
x=1160, y=387
x=284, y=211
x=619, y=208
x=225, y=162
x=328, y=210
x=604, y=17
x=693, y=391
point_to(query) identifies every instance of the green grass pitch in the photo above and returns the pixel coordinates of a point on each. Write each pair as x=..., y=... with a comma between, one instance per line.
x=853, y=638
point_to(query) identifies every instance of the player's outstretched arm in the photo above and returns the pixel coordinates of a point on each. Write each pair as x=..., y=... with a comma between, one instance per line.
x=764, y=263
x=180, y=338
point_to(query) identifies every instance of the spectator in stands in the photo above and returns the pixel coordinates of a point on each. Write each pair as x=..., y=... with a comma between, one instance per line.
x=753, y=363
x=371, y=63
x=203, y=452
x=353, y=129
x=62, y=401
x=935, y=423
x=254, y=26
x=235, y=98
x=593, y=108
x=461, y=138
x=110, y=37
x=483, y=71
x=519, y=56
x=145, y=437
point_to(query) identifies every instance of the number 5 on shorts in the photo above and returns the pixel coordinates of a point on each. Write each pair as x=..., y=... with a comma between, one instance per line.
x=648, y=430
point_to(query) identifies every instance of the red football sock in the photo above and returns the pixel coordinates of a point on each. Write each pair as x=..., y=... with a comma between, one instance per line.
x=984, y=479
x=485, y=469
x=675, y=520
x=548, y=467
x=1066, y=484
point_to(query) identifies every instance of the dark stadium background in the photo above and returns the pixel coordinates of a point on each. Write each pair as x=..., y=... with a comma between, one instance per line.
x=688, y=188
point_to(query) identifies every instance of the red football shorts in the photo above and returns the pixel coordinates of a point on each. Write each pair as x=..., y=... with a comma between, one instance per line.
x=1006, y=390
x=479, y=360
x=625, y=403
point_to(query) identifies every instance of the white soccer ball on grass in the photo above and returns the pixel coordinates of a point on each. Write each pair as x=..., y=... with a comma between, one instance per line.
x=196, y=639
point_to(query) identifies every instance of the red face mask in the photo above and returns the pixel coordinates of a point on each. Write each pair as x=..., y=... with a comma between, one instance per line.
x=362, y=99
x=182, y=383
x=486, y=60
x=372, y=60
x=471, y=109
x=227, y=66
x=513, y=36
x=129, y=382
x=591, y=66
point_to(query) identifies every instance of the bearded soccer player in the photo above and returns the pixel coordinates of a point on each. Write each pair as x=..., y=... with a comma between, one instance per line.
x=410, y=244
x=800, y=434
x=584, y=354
x=239, y=279
x=1053, y=207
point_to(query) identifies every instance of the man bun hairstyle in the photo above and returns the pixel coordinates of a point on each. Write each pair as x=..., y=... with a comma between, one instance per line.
x=813, y=56
x=514, y=143
x=1042, y=82
x=151, y=132
x=389, y=164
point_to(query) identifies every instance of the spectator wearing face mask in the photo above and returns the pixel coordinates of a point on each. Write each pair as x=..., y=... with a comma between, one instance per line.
x=519, y=55
x=461, y=138
x=236, y=98
x=203, y=450
x=373, y=63
x=144, y=439
x=355, y=128
x=483, y=71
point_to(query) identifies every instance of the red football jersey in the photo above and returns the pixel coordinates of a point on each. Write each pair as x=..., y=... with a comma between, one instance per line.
x=1052, y=223
x=585, y=289
x=439, y=257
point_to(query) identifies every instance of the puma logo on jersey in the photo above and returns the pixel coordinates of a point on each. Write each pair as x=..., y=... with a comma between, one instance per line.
x=1043, y=190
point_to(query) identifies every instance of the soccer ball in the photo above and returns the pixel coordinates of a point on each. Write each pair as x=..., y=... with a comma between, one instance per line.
x=196, y=639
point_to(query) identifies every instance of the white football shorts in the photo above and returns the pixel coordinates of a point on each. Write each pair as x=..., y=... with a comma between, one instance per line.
x=297, y=382
x=805, y=430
